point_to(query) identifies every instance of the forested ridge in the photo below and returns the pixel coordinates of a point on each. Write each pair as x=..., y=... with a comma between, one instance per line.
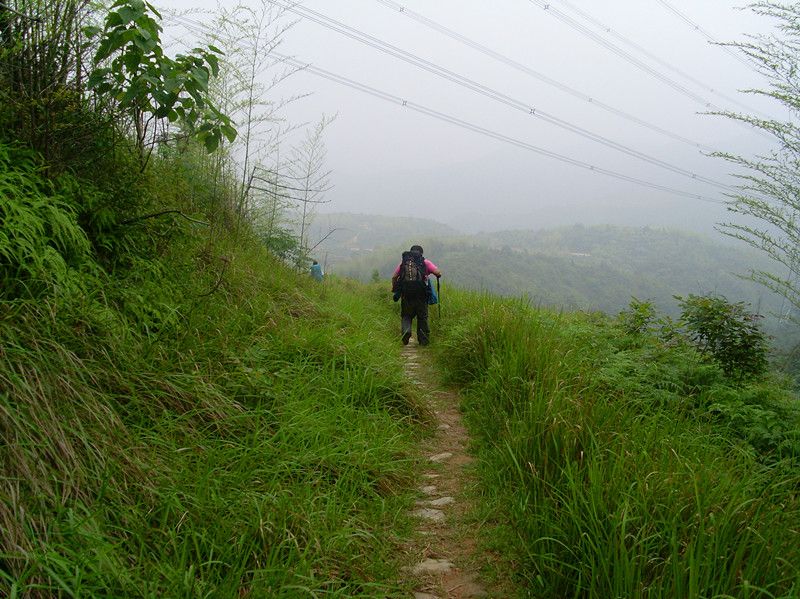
x=184, y=412
x=591, y=268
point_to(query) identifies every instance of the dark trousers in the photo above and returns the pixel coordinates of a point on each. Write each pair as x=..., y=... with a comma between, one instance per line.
x=410, y=308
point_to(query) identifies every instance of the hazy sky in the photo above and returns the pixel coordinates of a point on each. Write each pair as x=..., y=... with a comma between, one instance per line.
x=389, y=159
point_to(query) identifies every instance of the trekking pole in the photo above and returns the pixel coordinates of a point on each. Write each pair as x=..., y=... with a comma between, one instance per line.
x=439, y=295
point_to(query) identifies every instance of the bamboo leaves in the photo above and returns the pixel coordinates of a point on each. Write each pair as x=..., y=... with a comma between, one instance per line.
x=769, y=189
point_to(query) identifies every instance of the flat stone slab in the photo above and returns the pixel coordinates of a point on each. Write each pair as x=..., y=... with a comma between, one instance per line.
x=427, y=475
x=443, y=427
x=418, y=595
x=441, y=457
x=429, y=514
x=432, y=566
x=428, y=489
x=442, y=501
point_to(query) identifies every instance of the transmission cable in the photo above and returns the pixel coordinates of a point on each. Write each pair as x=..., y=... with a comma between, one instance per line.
x=735, y=55
x=653, y=57
x=474, y=86
x=402, y=10
x=199, y=28
x=627, y=56
x=483, y=131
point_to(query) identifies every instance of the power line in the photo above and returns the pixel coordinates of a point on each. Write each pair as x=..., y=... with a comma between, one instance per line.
x=402, y=10
x=486, y=91
x=339, y=79
x=621, y=53
x=626, y=55
x=705, y=34
x=653, y=57
x=483, y=131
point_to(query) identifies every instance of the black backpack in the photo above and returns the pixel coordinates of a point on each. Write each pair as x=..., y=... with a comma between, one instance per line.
x=413, y=276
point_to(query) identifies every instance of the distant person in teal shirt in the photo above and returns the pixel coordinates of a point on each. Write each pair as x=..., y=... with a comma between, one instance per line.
x=316, y=271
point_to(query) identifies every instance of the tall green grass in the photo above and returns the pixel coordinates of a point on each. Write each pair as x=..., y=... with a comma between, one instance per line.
x=607, y=469
x=194, y=419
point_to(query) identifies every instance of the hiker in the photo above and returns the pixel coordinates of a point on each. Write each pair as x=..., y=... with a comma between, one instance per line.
x=410, y=280
x=316, y=271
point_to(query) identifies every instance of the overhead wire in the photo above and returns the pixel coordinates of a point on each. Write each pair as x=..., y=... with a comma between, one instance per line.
x=621, y=53
x=402, y=10
x=486, y=91
x=484, y=131
x=628, y=42
x=710, y=38
x=444, y=117
x=547, y=6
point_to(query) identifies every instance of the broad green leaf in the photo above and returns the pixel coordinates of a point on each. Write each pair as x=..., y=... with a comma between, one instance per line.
x=229, y=132
x=126, y=15
x=144, y=44
x=132, y=61
x=153, y=9
x=97, y=77
x=211, y=142
x=91, y=30
x=113, y=20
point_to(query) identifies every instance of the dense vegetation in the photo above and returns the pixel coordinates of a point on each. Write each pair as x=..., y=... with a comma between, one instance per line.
x=181, y=413
x=620, y=459
x=162, y=440
x=594, y=268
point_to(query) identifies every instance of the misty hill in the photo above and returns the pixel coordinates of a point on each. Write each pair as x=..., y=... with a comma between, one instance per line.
x=354, y=235
x=596, y=268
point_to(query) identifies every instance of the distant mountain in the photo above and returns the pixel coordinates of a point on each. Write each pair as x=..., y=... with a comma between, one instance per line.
x=347, y=236
x=596, y=268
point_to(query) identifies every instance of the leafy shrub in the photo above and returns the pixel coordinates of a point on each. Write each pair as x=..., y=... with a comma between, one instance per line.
x=40, y=238
x=625, y=465
x=282, y=243
x=638, y=318
x=761, y=416
x=726, y=332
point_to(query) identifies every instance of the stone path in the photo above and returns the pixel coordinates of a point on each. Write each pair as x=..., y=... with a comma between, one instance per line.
x=443, y=549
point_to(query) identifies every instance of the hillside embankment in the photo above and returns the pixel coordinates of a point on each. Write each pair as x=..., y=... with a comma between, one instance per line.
x=620, y=461
x=183, y=415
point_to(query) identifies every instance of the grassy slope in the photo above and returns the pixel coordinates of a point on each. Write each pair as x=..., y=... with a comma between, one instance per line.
x=198, y=420
x=617, y=466
x=205, y=422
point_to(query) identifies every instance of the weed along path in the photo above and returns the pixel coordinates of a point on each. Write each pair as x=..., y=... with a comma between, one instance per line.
x=443, y=549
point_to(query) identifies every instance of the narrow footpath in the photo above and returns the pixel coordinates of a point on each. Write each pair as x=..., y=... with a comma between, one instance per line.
x=443, y=549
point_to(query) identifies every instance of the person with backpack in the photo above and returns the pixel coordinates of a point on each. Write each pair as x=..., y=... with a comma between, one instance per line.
x=410, y=280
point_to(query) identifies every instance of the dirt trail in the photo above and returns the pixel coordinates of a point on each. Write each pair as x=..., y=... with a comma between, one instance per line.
x=443, y=550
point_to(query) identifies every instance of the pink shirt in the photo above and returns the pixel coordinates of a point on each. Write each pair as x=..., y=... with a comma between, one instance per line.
x=429, y=267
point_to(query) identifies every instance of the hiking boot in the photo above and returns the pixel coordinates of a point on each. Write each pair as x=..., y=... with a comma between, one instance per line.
x=406, y=337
